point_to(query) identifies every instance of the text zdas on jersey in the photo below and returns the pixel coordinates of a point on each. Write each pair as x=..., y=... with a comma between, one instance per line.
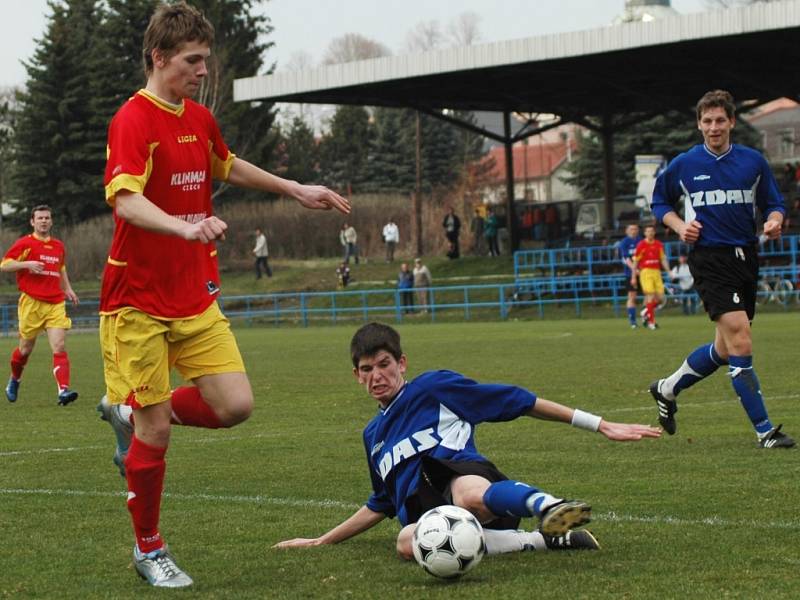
x=718, y=197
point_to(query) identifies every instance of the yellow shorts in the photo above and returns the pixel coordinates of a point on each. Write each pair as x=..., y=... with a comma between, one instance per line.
x=651, y=281
x=139, y=351
x=36, y=316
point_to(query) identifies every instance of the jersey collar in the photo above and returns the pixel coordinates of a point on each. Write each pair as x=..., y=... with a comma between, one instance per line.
x=175, y=109
x=718, y=156
x=41, y=239
x=395, y=399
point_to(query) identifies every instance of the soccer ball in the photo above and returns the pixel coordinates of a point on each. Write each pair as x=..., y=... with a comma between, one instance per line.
x=448, y=541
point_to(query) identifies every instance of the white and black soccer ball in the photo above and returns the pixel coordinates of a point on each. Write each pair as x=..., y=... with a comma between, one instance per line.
x=448, y=541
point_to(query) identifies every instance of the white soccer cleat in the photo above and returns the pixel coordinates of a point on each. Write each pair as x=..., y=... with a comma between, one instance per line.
x=123, y=430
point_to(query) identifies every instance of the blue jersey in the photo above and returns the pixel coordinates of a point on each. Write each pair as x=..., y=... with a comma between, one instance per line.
x=434, y=415
x=627, y=249
x=721, y=192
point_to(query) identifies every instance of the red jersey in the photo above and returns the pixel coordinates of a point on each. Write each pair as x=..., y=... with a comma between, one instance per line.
x=648, y=254
x=169, y=154
x=45, y=286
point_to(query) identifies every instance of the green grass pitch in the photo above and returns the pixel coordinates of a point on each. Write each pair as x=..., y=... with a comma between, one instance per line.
x=702, y=514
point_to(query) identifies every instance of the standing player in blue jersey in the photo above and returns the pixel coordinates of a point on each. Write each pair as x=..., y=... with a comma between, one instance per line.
x=722, y=184
x=627, y=250
x=421, y=453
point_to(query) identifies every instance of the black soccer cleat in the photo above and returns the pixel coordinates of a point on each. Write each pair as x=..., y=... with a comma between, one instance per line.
x=563, y=516
x=67, y=396
x=776, y=439
x=666, y=409
x=580, y=539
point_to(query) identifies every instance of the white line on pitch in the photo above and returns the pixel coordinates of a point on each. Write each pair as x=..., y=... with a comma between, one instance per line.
x=712, y=521
x=696, y=404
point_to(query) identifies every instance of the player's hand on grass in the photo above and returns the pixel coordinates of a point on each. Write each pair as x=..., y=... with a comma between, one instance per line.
x=299, y=543
x=690, y=232
x=320, y=197
x=210, y=228
x=628, y=432
x=35, y=266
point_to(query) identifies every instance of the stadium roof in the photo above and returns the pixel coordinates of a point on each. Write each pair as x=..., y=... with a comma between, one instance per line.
x=752, y=51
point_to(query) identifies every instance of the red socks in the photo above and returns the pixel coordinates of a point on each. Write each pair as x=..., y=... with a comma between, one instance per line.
x=189, y=408
x=651, y=312
x=61, y=369
x=144, y=469
x=18, y=362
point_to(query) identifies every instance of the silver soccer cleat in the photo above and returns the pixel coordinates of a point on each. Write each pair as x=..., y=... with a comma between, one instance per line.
x=159, y=569
x=123, y=430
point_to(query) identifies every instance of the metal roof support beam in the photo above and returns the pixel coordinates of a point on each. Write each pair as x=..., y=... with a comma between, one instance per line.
x=511, y=213
x=459, y=123
x=609, y=173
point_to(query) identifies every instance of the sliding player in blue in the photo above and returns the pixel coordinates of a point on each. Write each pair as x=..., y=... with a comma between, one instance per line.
x=722, y=184
x=421, y=453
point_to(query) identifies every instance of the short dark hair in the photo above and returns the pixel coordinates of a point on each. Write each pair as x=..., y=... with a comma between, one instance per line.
x=371, y=339
x=40, y=208
x=171, y=26
x=716, y=99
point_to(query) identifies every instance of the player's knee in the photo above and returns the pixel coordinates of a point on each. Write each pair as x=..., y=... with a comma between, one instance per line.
x=237, y=410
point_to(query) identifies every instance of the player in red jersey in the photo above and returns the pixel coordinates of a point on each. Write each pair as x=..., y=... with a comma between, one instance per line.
x=649, y=259
x=158, y=301
x=39, y=262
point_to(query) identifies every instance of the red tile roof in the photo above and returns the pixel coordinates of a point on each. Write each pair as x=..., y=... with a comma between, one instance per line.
x=542, y=160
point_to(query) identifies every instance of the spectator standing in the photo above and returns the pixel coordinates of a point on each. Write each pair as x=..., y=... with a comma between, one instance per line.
x=682, y=275
x=405, y=283
x=490, y=231
x=349, y=238
x=261, y=252
x=538, y=224
x=422, y=280
x=343, y=275
x=391, y=237
x=452, y=228
x=476, y=227
x=552, y=222
x=39, y=262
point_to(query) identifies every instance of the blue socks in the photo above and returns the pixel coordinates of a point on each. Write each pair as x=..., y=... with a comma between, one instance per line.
x=632, y=315
x=745, y=383
x=701, y=363
x=516, y=499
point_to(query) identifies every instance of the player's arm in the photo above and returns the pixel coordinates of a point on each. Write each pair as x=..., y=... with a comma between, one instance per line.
x=364, y=518
x=245, y=174
x=67, y=287
x=664, y=261
x=9, y=265
x=619, y=432
x=137, y=210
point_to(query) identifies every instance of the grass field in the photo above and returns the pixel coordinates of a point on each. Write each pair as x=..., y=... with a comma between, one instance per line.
x=702, y=514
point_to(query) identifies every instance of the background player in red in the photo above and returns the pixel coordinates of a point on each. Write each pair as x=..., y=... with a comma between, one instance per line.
x=649, y=259
x=38, y=261
x=158, y=300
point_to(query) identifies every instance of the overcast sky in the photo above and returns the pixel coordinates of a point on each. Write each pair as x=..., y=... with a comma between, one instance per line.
x=309, y=25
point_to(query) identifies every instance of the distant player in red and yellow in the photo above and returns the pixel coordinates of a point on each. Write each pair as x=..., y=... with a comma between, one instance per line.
x=649, y=259
x=38, y=261
x=158, y=302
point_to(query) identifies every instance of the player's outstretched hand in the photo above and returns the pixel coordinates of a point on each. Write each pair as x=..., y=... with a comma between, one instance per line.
x=628, y=432
x=299, y=543
x=210, y=228
x=320, y=197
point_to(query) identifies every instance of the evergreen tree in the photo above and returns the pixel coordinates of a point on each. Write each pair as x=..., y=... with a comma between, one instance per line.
x=300, y=151
x=344, y=150
x=391, y=161
x=54, y=161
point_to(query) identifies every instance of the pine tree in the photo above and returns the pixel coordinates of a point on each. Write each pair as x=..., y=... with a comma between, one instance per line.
x=301, y=153
x=344, y=150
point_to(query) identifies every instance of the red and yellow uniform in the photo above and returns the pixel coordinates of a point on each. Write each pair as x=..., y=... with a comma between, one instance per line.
x=41, y=303
x=154, y=284
x=649, y=257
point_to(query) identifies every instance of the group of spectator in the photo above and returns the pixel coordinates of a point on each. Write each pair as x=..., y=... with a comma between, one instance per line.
x=540, y=223
x=482, y=229
x=409, y=280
